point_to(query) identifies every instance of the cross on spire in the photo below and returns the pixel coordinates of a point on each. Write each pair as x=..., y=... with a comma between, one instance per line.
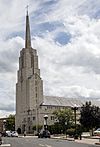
x=27, y=9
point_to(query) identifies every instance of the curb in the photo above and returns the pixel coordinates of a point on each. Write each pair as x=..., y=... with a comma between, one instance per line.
x=68, y=139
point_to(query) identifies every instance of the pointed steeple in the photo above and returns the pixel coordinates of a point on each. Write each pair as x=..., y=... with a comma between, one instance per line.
x=28, y=35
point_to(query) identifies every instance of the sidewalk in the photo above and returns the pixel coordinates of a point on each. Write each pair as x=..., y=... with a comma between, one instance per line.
x=88, y=141
x=92, y=141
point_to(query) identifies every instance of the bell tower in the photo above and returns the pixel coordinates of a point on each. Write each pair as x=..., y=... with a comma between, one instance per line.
x=29, y=86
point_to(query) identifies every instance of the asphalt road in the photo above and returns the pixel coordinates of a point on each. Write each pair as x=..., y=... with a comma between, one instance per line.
x=38, y=142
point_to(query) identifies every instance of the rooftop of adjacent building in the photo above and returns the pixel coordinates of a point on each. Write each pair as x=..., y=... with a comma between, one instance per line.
x=70, y=102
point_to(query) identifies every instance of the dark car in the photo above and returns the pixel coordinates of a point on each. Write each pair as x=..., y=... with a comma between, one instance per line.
x=44, y=134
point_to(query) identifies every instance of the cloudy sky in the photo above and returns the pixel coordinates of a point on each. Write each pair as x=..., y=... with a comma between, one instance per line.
x=66, y=34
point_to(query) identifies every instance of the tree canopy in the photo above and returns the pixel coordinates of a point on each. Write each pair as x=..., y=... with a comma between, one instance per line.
x=64, y=117
x=10, y=122
x=89, y=116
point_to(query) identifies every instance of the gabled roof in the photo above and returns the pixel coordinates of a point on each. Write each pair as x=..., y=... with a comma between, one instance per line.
x=69, y=102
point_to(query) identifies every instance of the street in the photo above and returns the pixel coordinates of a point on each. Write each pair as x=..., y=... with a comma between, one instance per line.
x=41, y=142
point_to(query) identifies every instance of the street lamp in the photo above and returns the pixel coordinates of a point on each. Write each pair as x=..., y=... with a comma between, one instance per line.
x=45, y=122
x=66, y=128
x=75, y=108
x=4, y=125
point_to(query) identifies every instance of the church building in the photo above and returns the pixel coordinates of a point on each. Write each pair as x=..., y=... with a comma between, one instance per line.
x=31, y=104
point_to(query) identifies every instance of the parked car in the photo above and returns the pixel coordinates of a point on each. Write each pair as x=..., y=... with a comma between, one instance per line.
x=14, y=134
x=11, y=134
x=85, y=134
x=8, y=133
x=97, y=132
x=44, y=134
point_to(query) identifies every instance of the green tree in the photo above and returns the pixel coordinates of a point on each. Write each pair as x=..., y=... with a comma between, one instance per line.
x=89, y=116
x=64, y=118
x=39, y=127
x=10, y=122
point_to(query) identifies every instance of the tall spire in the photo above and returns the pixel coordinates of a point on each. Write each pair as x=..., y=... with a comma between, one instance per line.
x=27, y=36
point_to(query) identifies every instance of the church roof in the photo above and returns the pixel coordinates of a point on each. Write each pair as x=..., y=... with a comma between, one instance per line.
x=69, y=102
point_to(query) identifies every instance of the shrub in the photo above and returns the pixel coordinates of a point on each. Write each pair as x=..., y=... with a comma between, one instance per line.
x=70, y=132
x=39, y=127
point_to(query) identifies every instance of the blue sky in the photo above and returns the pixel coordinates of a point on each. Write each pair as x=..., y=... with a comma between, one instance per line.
x=66, y=34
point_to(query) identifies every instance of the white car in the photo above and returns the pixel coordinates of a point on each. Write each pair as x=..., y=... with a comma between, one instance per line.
x=11, y=134
x=85, y=134
x=97, y=132
x=14, y=134
x=8, y=133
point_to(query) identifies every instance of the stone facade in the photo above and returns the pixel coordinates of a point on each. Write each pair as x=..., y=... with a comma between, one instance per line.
x=29, y=88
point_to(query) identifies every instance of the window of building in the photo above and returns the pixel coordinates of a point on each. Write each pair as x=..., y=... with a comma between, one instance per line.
x=46, y=108
x=32, y=61
x=52, y=117
x=35, y=76
x=40, y=107
x=28, y=118
x=24, y=120
x=33, y=117
x=35, y=82
x=36, y=88
x=22, y=61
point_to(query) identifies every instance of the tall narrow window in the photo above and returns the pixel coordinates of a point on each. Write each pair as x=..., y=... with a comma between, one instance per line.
x=22, y=61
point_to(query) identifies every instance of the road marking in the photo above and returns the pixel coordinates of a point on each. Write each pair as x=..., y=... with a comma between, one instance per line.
x=48, y=145
x=45, y=145
x=5, y=145
x=41, y=145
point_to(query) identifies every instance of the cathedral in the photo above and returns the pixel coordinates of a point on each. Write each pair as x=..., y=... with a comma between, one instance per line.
x=31, y=104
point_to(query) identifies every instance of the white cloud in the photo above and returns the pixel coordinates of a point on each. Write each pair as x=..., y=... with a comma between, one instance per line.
x=9, y=54
x=67, y=66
